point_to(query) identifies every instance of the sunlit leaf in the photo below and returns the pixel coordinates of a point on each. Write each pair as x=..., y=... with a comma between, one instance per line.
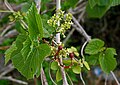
x=35, y=26
x=94, y=46
x=54, y=65
x=76, y=69
x=58, y=75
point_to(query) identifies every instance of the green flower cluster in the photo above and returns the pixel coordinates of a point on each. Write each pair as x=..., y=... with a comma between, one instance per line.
x=56, y=18
x=64, y=20
x=16, y=16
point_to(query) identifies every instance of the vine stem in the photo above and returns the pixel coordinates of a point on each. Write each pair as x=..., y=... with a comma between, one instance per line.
x=82, y=79
x=82, y=49
x=106, y=79
x=58, y=6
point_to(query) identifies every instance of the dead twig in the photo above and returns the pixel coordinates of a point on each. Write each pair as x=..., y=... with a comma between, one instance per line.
x=14, y=80
x=44, y=80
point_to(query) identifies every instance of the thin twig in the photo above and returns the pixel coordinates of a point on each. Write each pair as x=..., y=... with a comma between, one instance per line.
x=54, y=42
x=14, y=80
x=11, y=68
x=44, y=77
x=82, y=49
x=11, y=9
x=38, y=5
x=6, y=29
x=63, y=73
x=8, y=69
x=26, y=26
x=8, y=5
x=115, y=77
x=51, y=76
x=11, y=33
x=106, y=79
x=78, y=11
x=81, y=30
x=80, y=6
x=68, y=36
x=70, y=79
x=5, y=11
x=82, y=79
x=81, y=15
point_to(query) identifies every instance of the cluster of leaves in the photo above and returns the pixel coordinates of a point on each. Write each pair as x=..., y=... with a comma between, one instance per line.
x=97, y=8
x=28, y=51
x=69, y=62
x=98, y=53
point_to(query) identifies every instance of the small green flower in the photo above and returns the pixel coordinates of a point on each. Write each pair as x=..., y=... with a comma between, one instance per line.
x=16, y=16
x=65, y=21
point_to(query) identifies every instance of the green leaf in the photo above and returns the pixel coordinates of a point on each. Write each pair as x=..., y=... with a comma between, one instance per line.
x=35, y=27
x=9, y=52
x=99, y=9
x=54, y=65
x=19, y=28
x=115, y=2
x=112, y=50
x=68, y=62
x=15, y=48
x=19, y=41
x=92, y=59
x=48, y=30
x=96, y=11
x=69, y=3
x=25, y=7
x=73, y=49
x=104, y=2
x=76, y=69
x=26, y=48
x=58, y=75
x=107, y=60
x=94, y=46
x=92, y=3
x=86, y=65
x=32, y=65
